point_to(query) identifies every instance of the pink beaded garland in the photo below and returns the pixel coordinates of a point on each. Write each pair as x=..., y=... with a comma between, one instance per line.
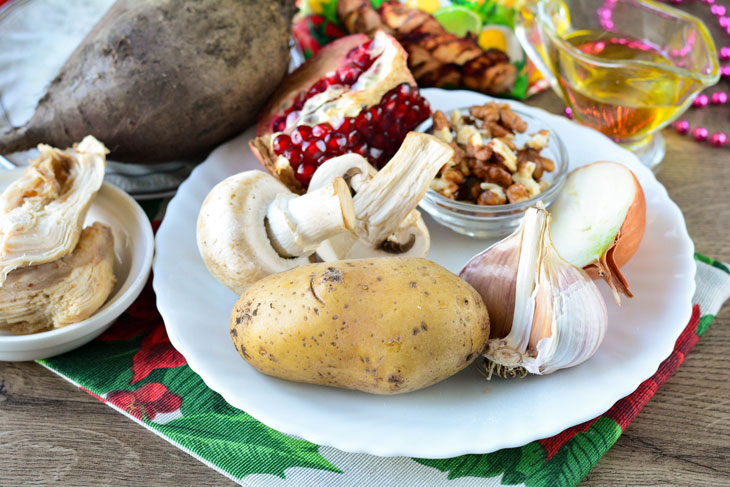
x=718, y=139
x=681, y=126
x=719, y=98
x=725, y=53
x=700, y=134
x=700, y=101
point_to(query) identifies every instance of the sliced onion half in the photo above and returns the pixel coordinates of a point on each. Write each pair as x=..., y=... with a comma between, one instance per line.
x=598, y=221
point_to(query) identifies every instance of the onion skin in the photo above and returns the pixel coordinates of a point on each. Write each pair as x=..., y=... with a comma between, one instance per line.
x=624, y=246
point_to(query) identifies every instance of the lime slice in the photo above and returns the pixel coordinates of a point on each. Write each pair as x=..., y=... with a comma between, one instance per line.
x=459, y=20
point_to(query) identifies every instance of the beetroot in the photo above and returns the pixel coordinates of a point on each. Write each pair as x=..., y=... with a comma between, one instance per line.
x=164, y=79
x=355, y=95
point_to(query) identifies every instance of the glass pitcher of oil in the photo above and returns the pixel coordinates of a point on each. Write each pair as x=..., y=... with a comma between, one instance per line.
x=625, y=67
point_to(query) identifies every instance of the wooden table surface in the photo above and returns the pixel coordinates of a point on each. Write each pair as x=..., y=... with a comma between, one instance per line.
x=53, y=434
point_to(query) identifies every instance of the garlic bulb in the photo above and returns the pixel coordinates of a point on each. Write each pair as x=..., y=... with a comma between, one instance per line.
x=545, y=313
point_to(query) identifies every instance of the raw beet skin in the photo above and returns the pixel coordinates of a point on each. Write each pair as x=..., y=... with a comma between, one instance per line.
x=164, y=79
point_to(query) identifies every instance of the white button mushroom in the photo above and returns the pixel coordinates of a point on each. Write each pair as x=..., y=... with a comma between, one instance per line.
x=250, y=225
x=385, y=201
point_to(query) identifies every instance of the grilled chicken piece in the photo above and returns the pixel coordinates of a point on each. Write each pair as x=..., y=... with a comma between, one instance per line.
x=59, y=293
x=435, y=56
x=359, y=16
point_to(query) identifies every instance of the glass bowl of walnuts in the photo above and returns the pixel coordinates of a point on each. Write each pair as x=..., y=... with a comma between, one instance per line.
x=505, y=160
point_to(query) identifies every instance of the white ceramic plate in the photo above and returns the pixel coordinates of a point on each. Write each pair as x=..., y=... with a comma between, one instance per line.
x=464, y=414
x=133, y=245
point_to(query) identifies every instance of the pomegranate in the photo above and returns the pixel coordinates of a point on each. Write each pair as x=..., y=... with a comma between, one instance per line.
x=356, y=95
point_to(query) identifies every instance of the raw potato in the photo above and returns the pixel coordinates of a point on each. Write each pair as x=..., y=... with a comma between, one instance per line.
x=157, y=80
x=384, y=326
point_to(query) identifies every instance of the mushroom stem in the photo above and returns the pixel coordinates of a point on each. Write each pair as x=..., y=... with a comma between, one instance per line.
x=297, y=225
x=384, y=201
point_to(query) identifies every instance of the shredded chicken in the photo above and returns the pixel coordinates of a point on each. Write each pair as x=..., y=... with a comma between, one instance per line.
x=61, y=292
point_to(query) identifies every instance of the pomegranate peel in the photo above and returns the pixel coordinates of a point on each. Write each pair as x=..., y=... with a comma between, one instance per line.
x=355, y=96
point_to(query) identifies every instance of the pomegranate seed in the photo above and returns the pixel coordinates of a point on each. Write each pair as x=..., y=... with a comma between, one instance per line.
x=375, y=153
x=312, y=150
x=362, y=122
x=300, y=134
x=322, y=159
x=346, y=126
x=317, y=88
x=374, y=113
x=335, y=143
x=279, y=123
x=353, y=138
x=304, y=173
x=384, y=123
x=378, y=141
x=349, y=75
x=361, y=149
x=298, y=102
x=294, y=156
x=403, y=91
x=321, y=130
x=400, y=111
x=411, y=118
x=332, y=80
x=281, y=143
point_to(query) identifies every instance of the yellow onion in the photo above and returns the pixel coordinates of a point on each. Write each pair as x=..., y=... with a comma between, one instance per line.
x=598, y=221
x=545, y=313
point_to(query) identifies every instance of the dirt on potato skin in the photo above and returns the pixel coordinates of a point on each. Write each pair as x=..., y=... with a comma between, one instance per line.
x=165, y=79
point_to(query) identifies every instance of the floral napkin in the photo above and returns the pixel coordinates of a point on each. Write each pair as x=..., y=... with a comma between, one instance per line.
x=134, y=369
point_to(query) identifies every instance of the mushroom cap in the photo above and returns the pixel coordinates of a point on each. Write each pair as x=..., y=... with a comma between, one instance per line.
x=231, y=232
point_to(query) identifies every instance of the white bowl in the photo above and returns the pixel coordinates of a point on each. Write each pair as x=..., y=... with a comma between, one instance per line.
x=134, y=247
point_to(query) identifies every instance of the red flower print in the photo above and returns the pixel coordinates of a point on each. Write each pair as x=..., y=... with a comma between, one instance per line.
x=553, y=444
x=302, y=32
x=156, y=353
x=139, y=318
x=146, y=402
x=93, y=394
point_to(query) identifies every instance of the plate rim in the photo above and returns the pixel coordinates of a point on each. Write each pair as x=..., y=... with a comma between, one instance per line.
x=445, y=450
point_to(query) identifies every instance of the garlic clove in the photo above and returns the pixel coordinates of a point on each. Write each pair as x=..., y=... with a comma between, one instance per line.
x=492, y=273
x=546, y=314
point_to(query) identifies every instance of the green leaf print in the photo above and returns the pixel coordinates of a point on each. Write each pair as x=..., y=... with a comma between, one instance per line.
x=241, y=446
x=710, y=261
x=509, y=461
x=577, y=457
x=704, y=324
x=528, y=464
x=110, y=361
